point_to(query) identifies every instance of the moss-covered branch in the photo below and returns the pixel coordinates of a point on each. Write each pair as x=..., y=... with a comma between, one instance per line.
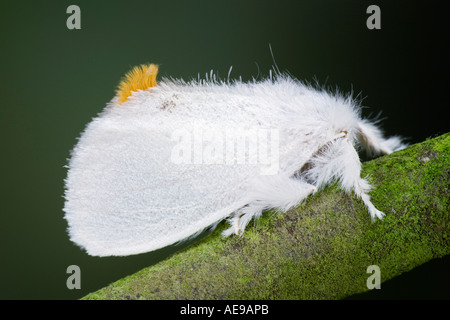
x=322, y=249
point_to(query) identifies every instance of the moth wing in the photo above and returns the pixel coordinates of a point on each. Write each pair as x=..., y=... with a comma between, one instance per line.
x=125, y=194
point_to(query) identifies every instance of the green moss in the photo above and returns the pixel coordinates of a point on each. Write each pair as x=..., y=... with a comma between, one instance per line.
x=320, y=250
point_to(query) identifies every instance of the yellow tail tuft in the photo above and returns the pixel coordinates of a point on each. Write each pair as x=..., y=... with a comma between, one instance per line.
x=139, y=78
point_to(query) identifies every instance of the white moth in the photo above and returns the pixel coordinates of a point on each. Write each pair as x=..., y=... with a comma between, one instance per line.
x=164, y=161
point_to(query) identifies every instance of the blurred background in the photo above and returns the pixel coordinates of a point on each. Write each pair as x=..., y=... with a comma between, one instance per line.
x=54, y=80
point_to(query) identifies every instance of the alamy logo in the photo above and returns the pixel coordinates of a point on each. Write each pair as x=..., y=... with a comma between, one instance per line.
x=254, y=146
x=74, y=20
x=374, y=20
x=374, y=281
x=74, y=280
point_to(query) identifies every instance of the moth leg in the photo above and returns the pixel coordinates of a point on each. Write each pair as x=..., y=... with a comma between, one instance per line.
x=339, y=161
x=351, y=179
x=269, y=192
x=234, y=222
x=372, y=141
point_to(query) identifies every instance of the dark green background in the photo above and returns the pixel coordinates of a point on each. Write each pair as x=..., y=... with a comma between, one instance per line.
x=54, y=80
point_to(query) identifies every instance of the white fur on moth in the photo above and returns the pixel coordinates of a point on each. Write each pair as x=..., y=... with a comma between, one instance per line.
x=162, y=162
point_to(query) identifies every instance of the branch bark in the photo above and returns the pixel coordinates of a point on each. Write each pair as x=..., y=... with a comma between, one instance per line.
x=320, y=250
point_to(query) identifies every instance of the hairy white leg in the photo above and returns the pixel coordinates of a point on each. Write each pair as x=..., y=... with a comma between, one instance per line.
x=351, y=178
x=372, y=141
x=269, y=192
x=339, y=161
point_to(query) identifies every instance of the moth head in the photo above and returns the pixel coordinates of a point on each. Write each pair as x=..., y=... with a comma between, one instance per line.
x=343, y=118
x=139, y=78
